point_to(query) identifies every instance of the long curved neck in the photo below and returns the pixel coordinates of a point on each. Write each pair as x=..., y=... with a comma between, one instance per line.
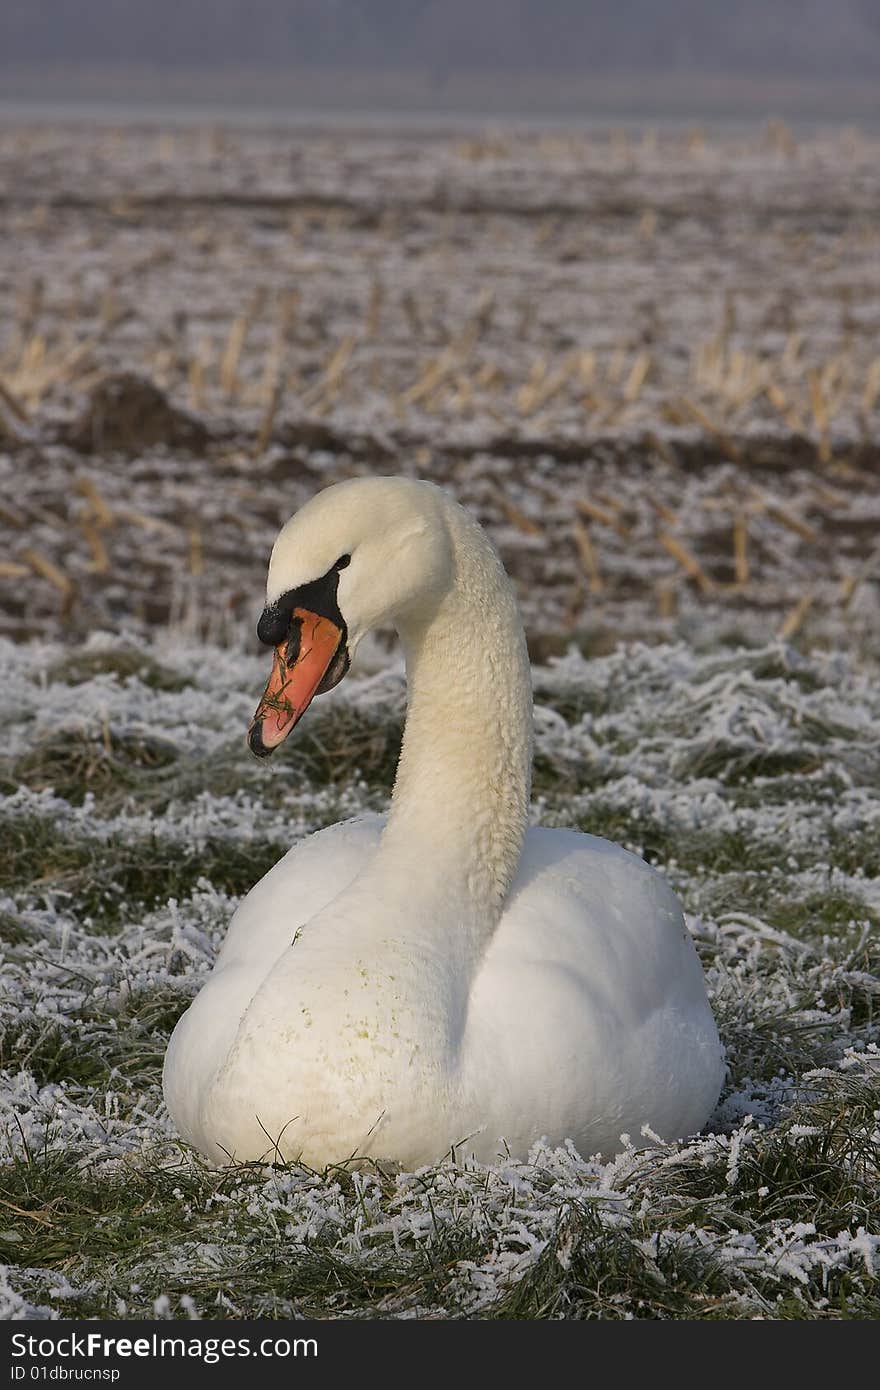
x=460, y=803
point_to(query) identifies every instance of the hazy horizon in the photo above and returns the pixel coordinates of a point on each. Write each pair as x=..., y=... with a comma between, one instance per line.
x=796, y=38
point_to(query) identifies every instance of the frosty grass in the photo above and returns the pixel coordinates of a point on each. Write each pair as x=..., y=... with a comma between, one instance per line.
x=133, y=820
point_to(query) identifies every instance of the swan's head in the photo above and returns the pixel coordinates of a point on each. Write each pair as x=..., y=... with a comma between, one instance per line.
x=359, y=555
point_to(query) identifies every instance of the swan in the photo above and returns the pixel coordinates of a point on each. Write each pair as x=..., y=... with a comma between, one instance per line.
x=443, y=977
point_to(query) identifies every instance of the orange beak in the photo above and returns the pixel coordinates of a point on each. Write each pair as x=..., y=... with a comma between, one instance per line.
x=299, y=666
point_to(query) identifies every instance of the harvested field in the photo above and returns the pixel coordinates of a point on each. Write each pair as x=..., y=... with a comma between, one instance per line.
x=650, y=363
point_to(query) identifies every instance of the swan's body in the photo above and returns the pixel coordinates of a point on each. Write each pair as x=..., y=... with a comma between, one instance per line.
x=445, y=977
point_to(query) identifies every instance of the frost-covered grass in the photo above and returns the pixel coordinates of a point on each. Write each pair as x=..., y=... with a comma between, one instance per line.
x=132, y=820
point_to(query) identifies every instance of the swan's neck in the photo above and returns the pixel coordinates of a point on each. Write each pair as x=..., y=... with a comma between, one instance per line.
x=460, y=804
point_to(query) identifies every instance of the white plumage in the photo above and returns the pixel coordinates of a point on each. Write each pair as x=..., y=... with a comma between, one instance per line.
x=444, y=976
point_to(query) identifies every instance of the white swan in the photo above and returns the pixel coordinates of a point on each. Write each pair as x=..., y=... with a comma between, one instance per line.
x=444, y=976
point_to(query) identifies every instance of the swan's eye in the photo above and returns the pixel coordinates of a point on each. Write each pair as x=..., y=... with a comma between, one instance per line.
x=343, y=562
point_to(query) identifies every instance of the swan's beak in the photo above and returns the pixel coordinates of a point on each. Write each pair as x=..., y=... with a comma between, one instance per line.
x=300, y=665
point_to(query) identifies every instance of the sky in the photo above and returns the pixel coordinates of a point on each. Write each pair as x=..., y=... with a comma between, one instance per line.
x=828, y=39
